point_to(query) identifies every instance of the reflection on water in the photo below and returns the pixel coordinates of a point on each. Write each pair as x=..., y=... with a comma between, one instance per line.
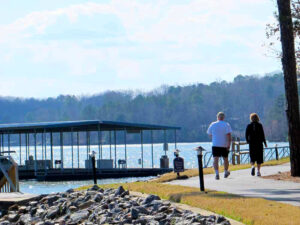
x=35, y=187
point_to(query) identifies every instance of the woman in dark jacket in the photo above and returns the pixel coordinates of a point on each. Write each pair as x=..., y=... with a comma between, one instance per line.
x=255, y=137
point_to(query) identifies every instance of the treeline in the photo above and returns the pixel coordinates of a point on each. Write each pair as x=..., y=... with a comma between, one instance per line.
x=191, y=107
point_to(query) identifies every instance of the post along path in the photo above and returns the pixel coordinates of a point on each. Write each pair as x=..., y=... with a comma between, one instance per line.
x=240, y=182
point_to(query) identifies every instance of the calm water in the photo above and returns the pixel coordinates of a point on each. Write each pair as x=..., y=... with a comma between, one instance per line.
x=133, y=155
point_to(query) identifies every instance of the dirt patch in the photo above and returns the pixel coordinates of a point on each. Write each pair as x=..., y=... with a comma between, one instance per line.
x=285, y=176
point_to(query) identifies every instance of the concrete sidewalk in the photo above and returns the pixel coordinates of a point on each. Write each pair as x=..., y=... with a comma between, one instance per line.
x=242, y=183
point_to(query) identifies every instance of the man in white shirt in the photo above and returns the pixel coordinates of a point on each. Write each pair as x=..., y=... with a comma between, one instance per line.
x=220, y=132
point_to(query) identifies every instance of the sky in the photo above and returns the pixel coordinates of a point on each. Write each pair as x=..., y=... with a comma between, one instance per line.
x=48, y=48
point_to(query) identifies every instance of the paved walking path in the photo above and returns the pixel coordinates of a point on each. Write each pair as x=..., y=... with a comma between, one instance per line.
x=242, y=183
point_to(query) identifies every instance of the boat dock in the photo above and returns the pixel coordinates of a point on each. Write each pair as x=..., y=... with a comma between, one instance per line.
x=34, y=145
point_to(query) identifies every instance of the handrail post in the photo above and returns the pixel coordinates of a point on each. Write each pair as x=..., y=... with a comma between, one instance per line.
x=276, y=152
x=233, y=150
x=238, y=151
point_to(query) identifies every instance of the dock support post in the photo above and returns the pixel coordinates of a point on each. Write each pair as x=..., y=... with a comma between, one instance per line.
x=109, y=144
x=115, y=140
x=44, y=143
x=42, y=136
x=62, y=151
x=72, y=150
x=101, y=145
x=35, y=155
x=20, y=145
x=175, y=139
x=28, y=142
x=26, y=149
x=125, y=146
x=99, y=141
x=87, y=145
x=51, y=148
x=78, y=149
x=152, y=148
x=2, y=137
x=142, y=149
x=8, y=144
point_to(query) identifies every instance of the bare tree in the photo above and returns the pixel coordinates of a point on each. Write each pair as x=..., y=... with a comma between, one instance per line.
x=290, y=80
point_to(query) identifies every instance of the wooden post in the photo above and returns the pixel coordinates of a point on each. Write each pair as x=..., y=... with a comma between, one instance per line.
x=238, y=151
x=233, y=150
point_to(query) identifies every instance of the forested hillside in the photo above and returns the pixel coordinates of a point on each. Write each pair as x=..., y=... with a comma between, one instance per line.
x=192, y=107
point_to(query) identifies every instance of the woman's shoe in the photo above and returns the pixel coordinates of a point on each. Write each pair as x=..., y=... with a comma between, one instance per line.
x=253, y=171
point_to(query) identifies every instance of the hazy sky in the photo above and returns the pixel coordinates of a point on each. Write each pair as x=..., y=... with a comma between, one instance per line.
x=77, y=47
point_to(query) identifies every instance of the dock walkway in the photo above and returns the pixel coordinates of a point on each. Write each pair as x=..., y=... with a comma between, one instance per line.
x=9, y=199
x=240, y=182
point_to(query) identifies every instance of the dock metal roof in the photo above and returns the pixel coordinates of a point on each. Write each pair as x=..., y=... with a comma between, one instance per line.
x=81, y=125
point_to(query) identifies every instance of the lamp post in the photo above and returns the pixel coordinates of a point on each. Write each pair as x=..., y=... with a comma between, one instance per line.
x=200, y=166
x=92, y=155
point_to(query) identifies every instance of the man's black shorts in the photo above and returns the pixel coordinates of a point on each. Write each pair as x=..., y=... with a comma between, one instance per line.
x=220, y=151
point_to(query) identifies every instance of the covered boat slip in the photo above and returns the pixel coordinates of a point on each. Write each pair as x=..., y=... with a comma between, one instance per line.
x=61, y=150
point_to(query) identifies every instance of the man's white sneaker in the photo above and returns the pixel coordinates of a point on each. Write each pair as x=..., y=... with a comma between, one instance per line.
x=226, y=174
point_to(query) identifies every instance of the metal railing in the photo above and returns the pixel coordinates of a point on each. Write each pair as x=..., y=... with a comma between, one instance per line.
x=269, y=154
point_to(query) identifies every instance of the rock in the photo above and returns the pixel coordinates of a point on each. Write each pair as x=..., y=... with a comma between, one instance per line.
x=5, y=222
x=142, y=210
x=50, y=199
x=220, y=219
x=52, y=212
x=33, y=203
x=40, y=223
x=98, y=197
x=150, y=198
x=79, y=216
x=163, y=208
x=32, y=211
x=69, y=191
x=86, y=204
x=22, y=209
x=13, y=217
x=72, y=208
x=48, y=222
x=120, y=191
x=14, y=207
x=24, y=219
x=134, y=213
x=94, y=188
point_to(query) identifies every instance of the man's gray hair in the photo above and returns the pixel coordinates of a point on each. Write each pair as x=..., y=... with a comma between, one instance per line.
x=221, y=115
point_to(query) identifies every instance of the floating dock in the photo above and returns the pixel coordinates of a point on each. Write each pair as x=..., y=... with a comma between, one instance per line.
x=39, y=139
x=9, y=199
x=84, y=174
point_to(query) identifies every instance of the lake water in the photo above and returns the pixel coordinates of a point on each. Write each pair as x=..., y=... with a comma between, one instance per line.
x=133, y=155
